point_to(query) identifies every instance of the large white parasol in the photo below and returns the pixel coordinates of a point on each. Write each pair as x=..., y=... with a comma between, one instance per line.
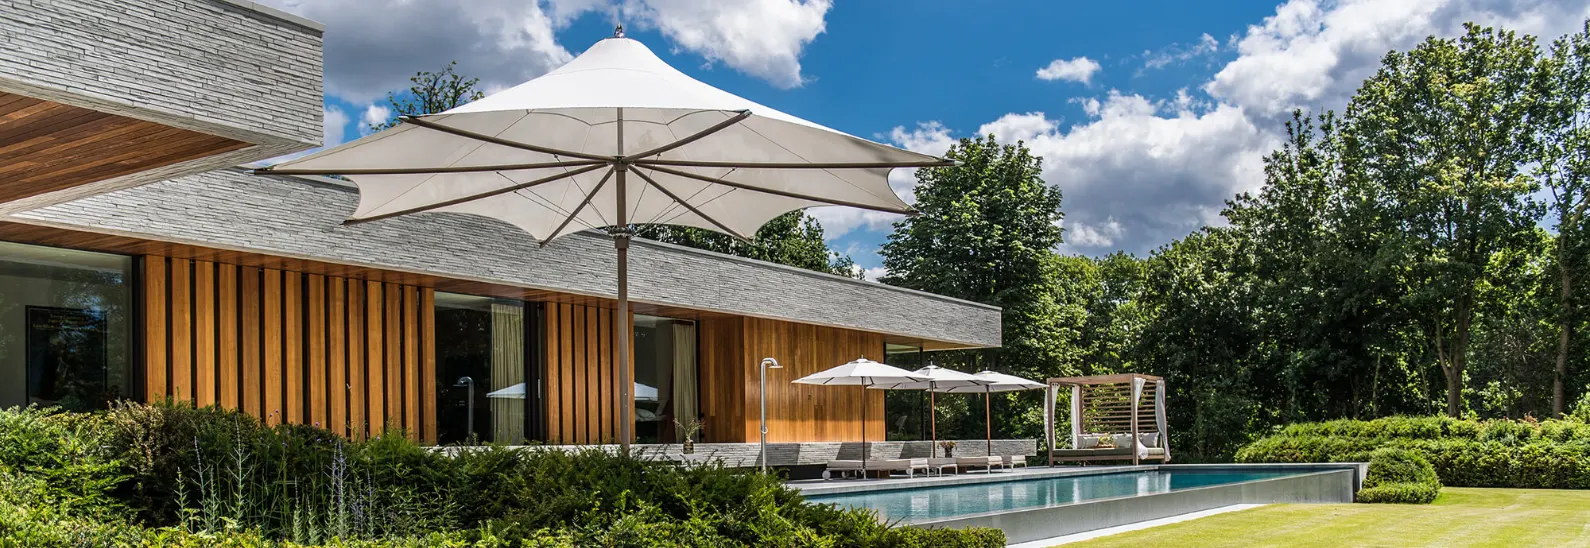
x=615, y=137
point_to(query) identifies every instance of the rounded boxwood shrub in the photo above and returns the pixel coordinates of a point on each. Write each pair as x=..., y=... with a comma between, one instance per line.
x=1400, y=476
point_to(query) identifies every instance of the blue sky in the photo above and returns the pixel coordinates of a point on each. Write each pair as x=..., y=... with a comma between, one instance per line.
x=1149, y=114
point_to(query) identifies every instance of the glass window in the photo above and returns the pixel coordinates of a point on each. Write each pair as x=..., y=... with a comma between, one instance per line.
x=480, y=353
x=666, y=387
x=905, y=411
x=64, y=334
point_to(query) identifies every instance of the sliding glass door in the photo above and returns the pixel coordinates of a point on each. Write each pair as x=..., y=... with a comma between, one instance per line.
x=666, y=388
x=483, y=381
x=64, y=329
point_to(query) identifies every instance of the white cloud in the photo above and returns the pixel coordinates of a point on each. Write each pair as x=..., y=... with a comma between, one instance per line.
x=762, y=38
x=374, y=46
x=1142, y=171
x=374, y=115
x=874, y=274
x=1313, y=54
x=333, y=127
x=1080, y=69
x=1179, y=53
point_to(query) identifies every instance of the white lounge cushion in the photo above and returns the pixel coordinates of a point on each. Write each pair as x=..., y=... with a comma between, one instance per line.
x=1150, y=439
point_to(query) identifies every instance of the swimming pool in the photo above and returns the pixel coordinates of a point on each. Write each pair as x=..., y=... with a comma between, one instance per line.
x=1043, y=503
x=919, y=505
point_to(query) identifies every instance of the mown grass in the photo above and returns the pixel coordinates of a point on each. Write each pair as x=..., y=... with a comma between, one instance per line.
x=1459, y=517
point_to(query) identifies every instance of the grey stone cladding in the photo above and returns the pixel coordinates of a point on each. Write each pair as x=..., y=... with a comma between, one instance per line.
x=222, y=67
x=296, y=217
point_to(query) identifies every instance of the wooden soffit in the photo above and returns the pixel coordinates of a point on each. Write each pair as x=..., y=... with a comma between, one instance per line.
x=47, y=146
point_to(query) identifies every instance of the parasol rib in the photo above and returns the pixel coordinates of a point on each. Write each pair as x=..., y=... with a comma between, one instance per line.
x=430, y=170
x=504, y=142
x=576, y=212
x=720, y=126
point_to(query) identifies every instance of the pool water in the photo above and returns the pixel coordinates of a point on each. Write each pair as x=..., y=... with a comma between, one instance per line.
x=932, y=503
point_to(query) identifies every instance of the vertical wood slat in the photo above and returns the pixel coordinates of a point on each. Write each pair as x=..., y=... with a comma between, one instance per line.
x=316, y=310
x=227, y=312
x=356, y=368
x=571, y=431
x=204, y=312
x=598, y=413
x=374, y=359
x=181, y=322
x=272, y=298
x=293, y=335
x=393, y=348
x=338, y=387
x=251, y=330
x=155, y=364
x=411, y=362
x=428, y=377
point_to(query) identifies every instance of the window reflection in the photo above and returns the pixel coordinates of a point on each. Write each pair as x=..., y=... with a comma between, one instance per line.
x=480, y=351
x=666, y=387
x=64, y=335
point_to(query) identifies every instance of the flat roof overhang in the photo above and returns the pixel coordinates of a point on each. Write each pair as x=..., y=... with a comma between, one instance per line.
x=95, y=97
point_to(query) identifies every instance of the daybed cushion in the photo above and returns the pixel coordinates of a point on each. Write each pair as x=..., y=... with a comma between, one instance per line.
x=1150, y=439
x=1123, y=451
x=1088, y=441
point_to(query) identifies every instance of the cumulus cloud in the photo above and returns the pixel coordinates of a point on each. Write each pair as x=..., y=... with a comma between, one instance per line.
x=505, y=42
x=874, y=274
x=1140, y=171
x=1314, y=54
x=1080, y=69
x=374, y=115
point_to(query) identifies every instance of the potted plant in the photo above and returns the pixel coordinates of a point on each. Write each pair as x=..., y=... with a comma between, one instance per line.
x=949, y=448
x=688, y=430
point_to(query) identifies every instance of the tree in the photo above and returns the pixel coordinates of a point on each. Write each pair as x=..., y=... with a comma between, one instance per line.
x=794, y=239
x=986, y=231
x=1563, y=160
x=430, y=93
x=1445, y=129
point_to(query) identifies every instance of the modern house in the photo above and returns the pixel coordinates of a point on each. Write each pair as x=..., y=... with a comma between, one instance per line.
x=136, y=263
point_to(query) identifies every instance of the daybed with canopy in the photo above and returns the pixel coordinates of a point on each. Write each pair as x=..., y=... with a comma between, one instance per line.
x=1127, y=410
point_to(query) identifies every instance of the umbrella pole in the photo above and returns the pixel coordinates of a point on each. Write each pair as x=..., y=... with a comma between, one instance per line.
x=988, y=421
x=933, y=420
x=621, y=319
x=863, y=431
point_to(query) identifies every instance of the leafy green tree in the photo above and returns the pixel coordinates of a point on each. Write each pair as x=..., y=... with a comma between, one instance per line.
x=986, y=231
x=1563, y=160
x=794, y=239
x=430, y=93
x=1445, y=129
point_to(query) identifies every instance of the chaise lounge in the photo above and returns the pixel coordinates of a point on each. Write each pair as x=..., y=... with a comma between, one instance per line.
x=909, y=466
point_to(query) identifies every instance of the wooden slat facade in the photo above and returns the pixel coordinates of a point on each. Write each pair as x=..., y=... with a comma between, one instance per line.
x=581, y=376
x=289, y=347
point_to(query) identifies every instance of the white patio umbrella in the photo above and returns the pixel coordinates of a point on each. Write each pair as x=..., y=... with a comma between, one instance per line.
x=998, y=382
x=864, y=373
x=938, y=377
x=559, y=151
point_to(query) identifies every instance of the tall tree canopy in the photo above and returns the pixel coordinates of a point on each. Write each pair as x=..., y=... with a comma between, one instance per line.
x=430, y=93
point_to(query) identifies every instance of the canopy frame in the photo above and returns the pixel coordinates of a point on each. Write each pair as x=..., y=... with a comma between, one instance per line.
x=1110, y=405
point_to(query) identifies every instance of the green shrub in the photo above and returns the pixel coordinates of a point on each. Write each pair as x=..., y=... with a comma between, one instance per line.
x=1401, y=476
x=1553, y=454
x=173, y=475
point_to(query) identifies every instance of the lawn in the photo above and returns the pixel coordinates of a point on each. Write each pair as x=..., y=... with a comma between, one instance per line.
x=1460, y=517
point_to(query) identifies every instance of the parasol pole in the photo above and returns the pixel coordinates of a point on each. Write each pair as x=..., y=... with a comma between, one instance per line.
x=621, y=319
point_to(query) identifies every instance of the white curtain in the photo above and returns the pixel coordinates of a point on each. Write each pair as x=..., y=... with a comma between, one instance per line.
x=1050, y=392
x=507, y=369
x=1159, y=418
x=1076, y=416
x=685, y=386
x=1137, y=396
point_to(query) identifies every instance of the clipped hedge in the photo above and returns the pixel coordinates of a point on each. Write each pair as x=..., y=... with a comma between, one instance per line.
x=161, y=475
x=1553, y=454
x=1399, y=476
